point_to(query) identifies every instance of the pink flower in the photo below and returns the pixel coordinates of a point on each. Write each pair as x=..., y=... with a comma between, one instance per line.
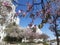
x=29, y=6
x=16, y=14
x=19, y=11
x=24, y=13
x=50, y=21
x=5, y=3
x=48, y=11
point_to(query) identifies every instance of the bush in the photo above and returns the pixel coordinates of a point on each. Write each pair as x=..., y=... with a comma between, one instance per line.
x=44, y=43
x=19, y=39
x=9, y=39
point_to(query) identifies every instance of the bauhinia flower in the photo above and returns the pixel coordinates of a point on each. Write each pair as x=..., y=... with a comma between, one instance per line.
x=29, y=7
x=19, y=11
x=24, y=14
x=5, y=3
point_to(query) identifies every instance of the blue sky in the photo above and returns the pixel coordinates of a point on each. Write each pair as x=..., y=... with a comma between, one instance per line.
x=26, y=20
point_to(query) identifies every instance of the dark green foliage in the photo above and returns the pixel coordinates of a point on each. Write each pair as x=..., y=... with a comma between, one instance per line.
x=44, y=43
x=32, y=16
x=19, y=39
x=41, y=25
x=44, y=21
x=9, y=39
x=14, y=23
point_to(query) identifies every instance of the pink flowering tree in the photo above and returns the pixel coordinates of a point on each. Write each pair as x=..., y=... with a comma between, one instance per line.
x=6, y=12
x=8, y=19
x=49, y=13
x=29, y=34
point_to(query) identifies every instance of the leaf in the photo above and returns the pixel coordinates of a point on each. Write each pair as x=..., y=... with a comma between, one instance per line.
x=40, y=26
x=32, y=15
x=44, y=21
x=48, y=16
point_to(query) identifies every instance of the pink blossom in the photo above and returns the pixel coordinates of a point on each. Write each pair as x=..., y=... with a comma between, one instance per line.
x=24, y=13
x=48, y=11
x=29, y=6
x=5, y=3
x=57, y=12
x=41, y=12
x=19, y=11
x=50, y=21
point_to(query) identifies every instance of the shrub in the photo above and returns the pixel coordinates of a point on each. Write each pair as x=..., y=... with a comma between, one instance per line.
x=45, y=43
x=9, y=39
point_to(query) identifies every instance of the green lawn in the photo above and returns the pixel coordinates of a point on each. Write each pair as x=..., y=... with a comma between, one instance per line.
x=21, y=44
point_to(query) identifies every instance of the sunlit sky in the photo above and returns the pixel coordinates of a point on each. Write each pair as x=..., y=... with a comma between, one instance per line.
x=26, y=20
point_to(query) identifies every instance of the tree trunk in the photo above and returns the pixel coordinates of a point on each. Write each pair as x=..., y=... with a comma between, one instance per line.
x=57, y=38
x=55, y=29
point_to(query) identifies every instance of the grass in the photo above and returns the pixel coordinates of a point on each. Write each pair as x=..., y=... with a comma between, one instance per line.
x=27, y=43
x=19, y=44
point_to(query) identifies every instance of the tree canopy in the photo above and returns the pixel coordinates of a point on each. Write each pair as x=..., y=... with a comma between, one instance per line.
x=49, y=13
